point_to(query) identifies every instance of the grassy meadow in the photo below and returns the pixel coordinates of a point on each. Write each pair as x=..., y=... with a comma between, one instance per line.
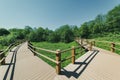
x=54, y=47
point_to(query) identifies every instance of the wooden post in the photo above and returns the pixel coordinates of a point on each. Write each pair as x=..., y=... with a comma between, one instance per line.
x=34, y=52
x=112, y=47
x=58, y=59
x=3, y=62
x=87, y=41
x=78, y=39
x=93, y=43
x=73, y=54
x=90, y=47
x=2, y=56
x=81, y=41
x=28, y=44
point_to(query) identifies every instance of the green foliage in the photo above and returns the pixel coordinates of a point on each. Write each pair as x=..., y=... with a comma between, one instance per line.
x=4, y=32
x=54, y=37
x=2, y=47
x=6, y=40
x=102, y=24
x=63, y=34
x=84, y=30
x=106, y=42
x=54, y=47
x=66, y=34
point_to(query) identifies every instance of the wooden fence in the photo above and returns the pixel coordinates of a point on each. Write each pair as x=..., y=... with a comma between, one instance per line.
x=112, y=45
x=3, y=53
x=58, y=54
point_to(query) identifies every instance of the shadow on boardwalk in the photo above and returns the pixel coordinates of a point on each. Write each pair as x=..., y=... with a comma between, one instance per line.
x=86, y=62
x=11, y=64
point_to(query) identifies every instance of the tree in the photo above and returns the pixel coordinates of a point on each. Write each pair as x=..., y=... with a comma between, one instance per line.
x=32, y=36
x=84, y=30
x=66, y=34
x=54, y=37
x=113, y=19
x=4, y=32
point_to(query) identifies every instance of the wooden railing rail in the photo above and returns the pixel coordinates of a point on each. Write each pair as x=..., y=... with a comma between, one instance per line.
x=58, y=53
x=42, y=49
x=43, y=55
x=2, y=54
x=112, y=45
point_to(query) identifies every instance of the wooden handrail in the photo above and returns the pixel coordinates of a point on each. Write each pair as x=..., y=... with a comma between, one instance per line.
x=66, y=50
x=43, y=56
x=112, y=44
x=66, y=59
x=2, y=54
x=58, y=55
x=116, y=48
x=69, y=49
x=42, y=49
x=6, y=49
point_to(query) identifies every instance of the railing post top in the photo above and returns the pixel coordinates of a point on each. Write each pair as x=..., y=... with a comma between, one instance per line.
x=112, y=43
x=73, y=47
x=58, y=51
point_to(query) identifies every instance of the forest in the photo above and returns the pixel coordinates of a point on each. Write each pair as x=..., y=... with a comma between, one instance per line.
x=103, y=25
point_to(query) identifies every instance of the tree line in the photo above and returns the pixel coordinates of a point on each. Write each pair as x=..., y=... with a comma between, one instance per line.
x=102, y=25
x=65, y=33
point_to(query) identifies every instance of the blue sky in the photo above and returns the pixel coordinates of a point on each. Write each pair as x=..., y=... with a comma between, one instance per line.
x=51, y=13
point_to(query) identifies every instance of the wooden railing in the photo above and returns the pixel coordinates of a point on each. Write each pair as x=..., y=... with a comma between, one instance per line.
x=58, y=54
x=85, y=43
x=3, y=53
x=112, y=45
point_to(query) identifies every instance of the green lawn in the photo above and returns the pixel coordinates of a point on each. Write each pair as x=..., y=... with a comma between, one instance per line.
x=54, y=47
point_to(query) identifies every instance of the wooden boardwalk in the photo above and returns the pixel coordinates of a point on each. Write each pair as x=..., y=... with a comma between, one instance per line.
x=23, y=65
x=97, y=64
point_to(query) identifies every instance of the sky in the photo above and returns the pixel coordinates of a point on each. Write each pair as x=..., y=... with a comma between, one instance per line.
x=51, y=13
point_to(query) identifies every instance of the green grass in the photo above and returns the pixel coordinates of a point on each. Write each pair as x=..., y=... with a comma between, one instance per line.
x=2, y=47
x=106, y=44
x=111, y=37
x=54, y=47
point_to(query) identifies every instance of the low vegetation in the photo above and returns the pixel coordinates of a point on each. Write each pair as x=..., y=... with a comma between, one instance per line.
x=2, y=47
x=54, y=47
x=105, y=42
